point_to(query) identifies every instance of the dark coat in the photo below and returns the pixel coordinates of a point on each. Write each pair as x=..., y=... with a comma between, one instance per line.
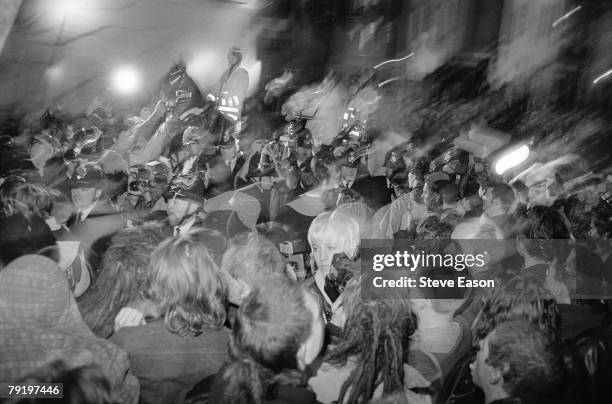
x=279, y=395
x=166, y=364
x=239, y=162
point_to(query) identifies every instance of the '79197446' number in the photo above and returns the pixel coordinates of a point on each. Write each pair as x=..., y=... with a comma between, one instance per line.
x=32, y=390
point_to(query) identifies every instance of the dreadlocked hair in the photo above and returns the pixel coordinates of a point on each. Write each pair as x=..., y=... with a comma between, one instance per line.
x=375, y=334
x=272, y=324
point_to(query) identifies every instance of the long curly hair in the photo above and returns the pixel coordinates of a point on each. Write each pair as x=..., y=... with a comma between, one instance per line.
x=518, y=299
x=123, y=276
x=376, y=333
x=186, y=285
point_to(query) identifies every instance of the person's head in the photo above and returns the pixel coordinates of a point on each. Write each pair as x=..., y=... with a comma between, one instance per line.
x=217, y=171
x=521, y=192
x=251, y=258
x=417, y=171
x=18, y=196
x=279, y=331
x=394, y=162
x=185, y=202
x=234, y=56
x=25, y=234
x=348, y=173
x=331, y=233
x=498, y=199
x=471, y=200
x=432, y=228
x=85, y=384
x=196, y=140
x=323, y=165
x=432, y=194
x=517, y=359
x=87, y=186
x=228, y=146
x=539, y=229
x=518, y=299
x=303, y=151
x=376, y=334
x=399, y=183
x=601, y=222
x=42, y=148
x=277, y=232
x=123, y=276
x=228, y=151
x=555, y=187
x=160, y=174
x=81, y=385
x=186, y=285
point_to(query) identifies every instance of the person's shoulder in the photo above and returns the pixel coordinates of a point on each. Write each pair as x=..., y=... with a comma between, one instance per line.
x=378, y=180
x=140, y=336
x=103, y=207
x=293, y=395
x=402, y=201
x=242, y=70
x=155, y=335
x=425, y=363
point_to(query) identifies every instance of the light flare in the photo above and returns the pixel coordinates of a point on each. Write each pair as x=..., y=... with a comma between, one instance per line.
x=512, y=159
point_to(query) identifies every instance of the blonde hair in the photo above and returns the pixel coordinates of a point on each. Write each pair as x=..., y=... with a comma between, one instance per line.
x=337, y=228
x=187, y=286
x=26, y=198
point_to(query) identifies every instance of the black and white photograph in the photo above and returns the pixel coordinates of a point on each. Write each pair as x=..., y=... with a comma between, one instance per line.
x=306, y=201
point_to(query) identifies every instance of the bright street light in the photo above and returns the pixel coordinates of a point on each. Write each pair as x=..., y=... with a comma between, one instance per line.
x=512, y=159
x=126, y=80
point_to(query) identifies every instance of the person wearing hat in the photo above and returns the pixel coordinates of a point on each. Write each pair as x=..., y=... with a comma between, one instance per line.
x=198, y=145
x=185, y=205
x=86, y=190
x=42, y=149
x=229, y=153
x=234, y=82
x=146, y=185
x=303, y=152
x=96, y=218
x=217, y=178
x=374, y=190
x=250, y=168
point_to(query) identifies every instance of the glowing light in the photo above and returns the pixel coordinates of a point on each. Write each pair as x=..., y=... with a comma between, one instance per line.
x=602, y=77
x=126, y=80
x=411, y=54
x=391, y=80
x=566, y=15
x=55, y=73
x=512, y=159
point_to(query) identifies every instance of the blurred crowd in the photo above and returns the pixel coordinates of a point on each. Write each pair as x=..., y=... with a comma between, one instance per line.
x=206, y=248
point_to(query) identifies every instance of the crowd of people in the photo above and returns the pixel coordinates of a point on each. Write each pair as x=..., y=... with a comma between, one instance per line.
x=203, y=251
